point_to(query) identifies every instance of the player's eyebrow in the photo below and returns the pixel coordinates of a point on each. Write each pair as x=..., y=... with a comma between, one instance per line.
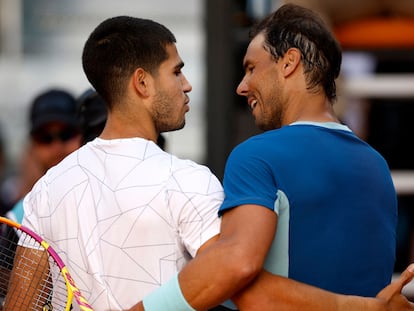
x=246, y=63
x=179, y=65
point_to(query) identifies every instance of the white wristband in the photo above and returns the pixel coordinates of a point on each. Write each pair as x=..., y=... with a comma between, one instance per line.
x=167, y=298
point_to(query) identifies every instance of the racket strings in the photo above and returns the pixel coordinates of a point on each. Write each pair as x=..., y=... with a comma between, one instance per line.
x=8, y=243
x=41, y=286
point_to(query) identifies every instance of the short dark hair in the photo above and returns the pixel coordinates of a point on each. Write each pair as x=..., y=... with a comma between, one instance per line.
x=295, y=26
x=117, y=47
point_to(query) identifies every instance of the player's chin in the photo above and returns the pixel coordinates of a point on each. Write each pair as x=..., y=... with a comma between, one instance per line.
x=181, y=125
x=181, y=121
x=176, y=126
x=261, y=125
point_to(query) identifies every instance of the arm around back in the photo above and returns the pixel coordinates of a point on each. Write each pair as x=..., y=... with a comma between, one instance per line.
x=233, y=261
x=268, y=292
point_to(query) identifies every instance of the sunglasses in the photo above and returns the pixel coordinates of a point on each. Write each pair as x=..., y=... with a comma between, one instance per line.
x=48, y=137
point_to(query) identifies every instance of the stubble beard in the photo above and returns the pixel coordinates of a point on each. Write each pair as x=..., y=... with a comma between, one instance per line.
x=163, y=112
x=273, y=116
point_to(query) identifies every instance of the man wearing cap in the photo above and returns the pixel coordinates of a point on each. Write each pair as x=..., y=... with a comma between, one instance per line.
x=54, y=133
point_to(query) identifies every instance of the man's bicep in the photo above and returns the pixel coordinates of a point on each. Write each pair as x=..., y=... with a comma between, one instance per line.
x=208, y=243
x=253, y=227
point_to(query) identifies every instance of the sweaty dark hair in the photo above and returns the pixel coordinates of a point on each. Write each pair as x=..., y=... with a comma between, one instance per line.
x=117, y=47
x=292, y=26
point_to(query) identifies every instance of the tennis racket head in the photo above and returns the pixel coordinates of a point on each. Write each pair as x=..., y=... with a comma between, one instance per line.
x=32, y=274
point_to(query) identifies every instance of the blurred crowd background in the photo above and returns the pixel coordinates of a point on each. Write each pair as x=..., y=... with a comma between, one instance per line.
x=40, y=47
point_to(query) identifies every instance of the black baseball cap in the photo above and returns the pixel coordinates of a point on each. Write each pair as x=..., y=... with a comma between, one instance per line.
x=54, y=105
x=92, y=114
x=92, y=109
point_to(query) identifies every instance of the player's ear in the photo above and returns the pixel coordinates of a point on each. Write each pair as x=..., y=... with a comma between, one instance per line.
x=290, y=61
x=140, y=81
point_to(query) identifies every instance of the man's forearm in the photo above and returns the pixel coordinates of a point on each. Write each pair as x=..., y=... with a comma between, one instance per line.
x=269, y=291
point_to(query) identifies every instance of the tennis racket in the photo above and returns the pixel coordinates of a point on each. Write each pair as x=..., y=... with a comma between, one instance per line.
x=32, y=275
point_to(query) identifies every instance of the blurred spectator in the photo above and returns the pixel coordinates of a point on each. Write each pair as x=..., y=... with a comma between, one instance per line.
x=54, y=133
x=92, y=114
x=8, y=180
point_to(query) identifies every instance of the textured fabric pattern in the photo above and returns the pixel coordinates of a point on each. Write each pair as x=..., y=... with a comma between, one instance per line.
x=125, y=216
